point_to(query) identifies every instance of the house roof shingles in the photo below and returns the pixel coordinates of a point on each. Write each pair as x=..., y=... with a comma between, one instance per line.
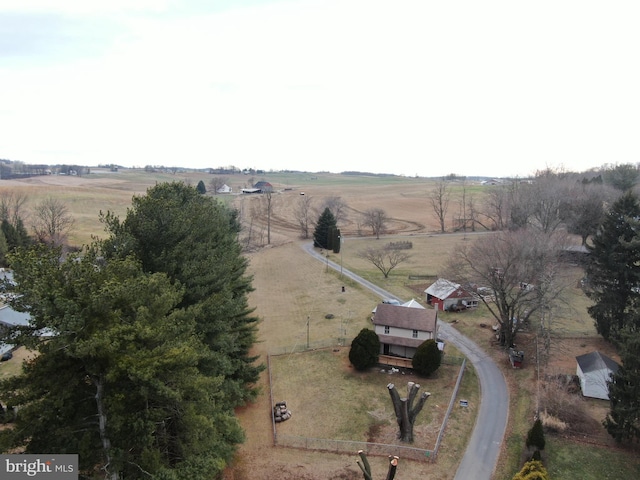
x=406, y=317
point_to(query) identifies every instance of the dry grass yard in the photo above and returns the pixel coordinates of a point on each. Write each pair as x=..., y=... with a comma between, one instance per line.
x=294, y=296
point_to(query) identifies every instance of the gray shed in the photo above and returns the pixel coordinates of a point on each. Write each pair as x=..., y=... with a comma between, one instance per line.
x=594, y=371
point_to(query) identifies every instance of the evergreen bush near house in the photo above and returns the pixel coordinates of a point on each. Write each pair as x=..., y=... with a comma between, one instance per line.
x=535, y=437
x=365, y=349
x=427, y=358
x=201, y=188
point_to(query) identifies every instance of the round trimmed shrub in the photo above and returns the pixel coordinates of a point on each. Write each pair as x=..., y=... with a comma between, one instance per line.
x=365, y=349
x=427, y=358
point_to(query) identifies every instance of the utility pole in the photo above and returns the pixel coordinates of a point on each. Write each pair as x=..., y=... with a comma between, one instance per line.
x=308, y=322
x=341, y=244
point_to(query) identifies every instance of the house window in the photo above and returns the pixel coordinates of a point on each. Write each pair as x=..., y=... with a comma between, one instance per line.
x=386, y=329
x=415, y=334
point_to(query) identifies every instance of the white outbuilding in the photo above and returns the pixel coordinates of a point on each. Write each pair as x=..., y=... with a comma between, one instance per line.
x=594, y=370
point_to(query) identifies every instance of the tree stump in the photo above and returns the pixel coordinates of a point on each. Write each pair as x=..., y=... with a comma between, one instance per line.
x=406, y=412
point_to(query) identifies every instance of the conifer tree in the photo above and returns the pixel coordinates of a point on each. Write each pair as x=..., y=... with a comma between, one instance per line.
x=193, y=239
x=613, y=271
x=321, y=234
x=117, y=380
x=623, y=420
x=535, y=436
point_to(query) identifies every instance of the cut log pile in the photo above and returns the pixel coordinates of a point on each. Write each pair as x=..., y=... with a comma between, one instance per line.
x=281, y=412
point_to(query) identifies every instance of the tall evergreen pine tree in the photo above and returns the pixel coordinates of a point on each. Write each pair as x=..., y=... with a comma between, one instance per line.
x=623, y=420
x=322, y=234
x=613, y=271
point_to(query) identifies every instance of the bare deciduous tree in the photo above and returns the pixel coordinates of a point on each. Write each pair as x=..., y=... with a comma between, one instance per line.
x=439, y=199
x=11, y=205
x=338, y=208
x=520, y=270
x=546, y=197
x=51, y=222
x=497, y=208
x=376, y=219
x=384, y=258
x=216, y=183
x=302, y=214
x=585, y=210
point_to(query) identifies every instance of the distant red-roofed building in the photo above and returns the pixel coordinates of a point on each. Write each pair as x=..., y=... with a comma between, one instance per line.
x=446, y=295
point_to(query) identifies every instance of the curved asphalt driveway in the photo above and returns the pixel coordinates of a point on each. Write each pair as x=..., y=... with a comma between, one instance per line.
x=479, y=460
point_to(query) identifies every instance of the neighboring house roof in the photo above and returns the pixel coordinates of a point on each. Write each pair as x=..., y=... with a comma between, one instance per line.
x=262, y=185
x=10, y=317
x=412, y=304
x=596, y=361
x=224, y=189
x=408, y=318
x=444, y=289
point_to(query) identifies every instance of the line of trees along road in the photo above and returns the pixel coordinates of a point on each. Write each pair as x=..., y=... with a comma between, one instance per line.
x=149, y=352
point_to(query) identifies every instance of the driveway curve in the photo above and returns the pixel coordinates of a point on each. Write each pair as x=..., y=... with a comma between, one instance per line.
x=480, y=457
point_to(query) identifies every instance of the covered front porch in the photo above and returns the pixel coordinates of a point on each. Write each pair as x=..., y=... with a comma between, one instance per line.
x=394, y=361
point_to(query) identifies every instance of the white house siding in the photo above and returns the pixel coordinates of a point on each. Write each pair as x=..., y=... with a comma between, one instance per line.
x=400, y=341
x=594, y=384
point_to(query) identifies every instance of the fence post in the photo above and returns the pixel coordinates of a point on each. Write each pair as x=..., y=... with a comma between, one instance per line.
x=273, y=420
x=449, y=408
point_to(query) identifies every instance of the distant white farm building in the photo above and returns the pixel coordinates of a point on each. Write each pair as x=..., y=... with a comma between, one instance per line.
x=224, y=189
x=411, y=304
x=594, y=370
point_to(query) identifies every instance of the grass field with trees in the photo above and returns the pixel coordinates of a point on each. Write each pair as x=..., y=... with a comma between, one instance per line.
x=292, y=290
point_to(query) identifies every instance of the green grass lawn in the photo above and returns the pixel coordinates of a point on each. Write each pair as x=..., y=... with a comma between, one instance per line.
x=331, y=400
x=570, y=461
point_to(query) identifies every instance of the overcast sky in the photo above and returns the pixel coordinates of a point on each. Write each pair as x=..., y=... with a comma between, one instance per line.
x=428, y=88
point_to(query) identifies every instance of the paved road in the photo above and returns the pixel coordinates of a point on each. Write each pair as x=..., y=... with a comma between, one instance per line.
x=479, y=460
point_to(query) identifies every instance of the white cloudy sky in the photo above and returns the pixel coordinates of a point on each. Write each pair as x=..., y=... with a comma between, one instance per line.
x=408, y=87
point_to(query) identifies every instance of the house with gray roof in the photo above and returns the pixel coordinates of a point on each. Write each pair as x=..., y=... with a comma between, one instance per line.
x=401, y=330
